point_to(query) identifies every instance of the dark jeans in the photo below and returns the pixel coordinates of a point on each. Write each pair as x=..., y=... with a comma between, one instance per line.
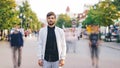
x=17, y=52
x=94, y=52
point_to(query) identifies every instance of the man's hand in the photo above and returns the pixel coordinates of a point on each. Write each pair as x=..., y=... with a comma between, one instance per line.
x=40, y=62
x=61, y=62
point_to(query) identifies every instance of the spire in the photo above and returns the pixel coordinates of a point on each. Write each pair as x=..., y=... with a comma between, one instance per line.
x=68, y=9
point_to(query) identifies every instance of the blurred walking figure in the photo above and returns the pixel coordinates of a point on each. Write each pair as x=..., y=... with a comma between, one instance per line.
x=94, y=41
x=16, y=42
x=52, y=45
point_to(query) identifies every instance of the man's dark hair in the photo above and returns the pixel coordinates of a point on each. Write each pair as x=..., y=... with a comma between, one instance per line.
x=51, y=13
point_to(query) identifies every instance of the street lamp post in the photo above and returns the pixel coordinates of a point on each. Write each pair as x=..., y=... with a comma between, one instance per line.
x=22, y=17
x=30, y=21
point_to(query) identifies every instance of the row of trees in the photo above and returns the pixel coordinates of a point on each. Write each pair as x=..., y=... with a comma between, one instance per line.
x=28, y=18
x=8, y=14
x=64, y=20
x=104, y=13
x=12, y=14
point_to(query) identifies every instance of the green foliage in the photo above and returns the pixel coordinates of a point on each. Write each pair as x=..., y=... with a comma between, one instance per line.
x=29, y=18
x=8, y=14
x=102, y=14
x=63, y=19
x=117, y=4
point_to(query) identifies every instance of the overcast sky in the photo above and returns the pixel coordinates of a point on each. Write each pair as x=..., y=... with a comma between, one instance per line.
x=42, y=7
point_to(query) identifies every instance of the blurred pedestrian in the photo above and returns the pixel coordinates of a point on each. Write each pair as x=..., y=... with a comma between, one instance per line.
x=16, y=42
x=94, y=42
x=52, y=45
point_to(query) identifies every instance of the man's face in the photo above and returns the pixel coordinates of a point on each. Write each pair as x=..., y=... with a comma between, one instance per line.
x=51, y=20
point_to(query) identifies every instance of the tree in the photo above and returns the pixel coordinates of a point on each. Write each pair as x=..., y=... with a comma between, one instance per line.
x=8, y=14
x=102, y=14
x=28, y=17
x=117, y=4
x=64, y=20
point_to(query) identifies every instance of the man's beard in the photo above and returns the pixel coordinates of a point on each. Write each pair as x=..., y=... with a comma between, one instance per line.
x=51, y=24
